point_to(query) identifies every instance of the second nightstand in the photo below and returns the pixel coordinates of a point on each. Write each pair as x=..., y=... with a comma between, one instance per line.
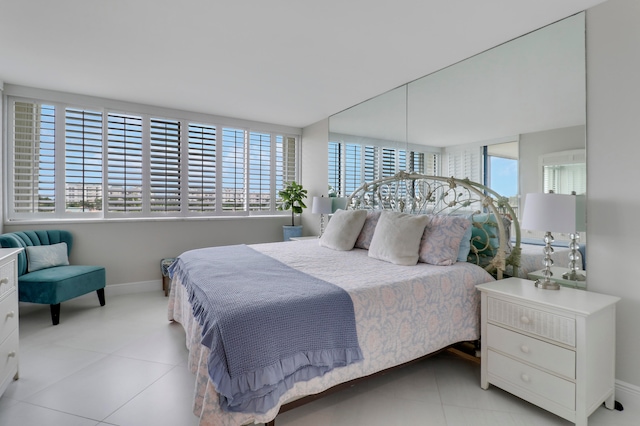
x=553, y=348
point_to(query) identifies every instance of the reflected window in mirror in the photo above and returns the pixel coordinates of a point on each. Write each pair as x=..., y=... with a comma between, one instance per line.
x=351, y=164
x=564, y=172
x=501, y=170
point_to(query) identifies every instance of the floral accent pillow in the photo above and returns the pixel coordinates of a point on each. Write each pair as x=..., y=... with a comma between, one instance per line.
x=364, y=239
x=46, y=256
x=440, y=241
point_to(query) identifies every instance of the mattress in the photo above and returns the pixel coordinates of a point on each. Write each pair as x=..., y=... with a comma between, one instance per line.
x=402, y=313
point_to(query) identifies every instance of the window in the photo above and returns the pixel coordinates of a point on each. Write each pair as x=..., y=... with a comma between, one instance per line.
x=351, y=164
x=69, y=161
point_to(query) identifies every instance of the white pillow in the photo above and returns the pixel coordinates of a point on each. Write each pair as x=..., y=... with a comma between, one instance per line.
x=343, y=229
x=46, y=256
x=397, y=237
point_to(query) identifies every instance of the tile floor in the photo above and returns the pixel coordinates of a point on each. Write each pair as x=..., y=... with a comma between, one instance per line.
x=124, y=364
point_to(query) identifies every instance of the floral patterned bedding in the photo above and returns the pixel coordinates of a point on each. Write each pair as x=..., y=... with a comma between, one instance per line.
x=402, y=313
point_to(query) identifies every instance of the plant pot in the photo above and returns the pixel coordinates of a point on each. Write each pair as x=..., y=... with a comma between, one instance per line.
x=289, y=231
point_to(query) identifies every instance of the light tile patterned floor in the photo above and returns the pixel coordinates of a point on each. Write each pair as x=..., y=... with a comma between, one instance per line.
x=124, y=364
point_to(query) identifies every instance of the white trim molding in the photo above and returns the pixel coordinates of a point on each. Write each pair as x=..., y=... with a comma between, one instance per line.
x=627, y=394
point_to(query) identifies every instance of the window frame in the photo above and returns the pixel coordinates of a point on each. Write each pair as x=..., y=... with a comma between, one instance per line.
x=63, y=102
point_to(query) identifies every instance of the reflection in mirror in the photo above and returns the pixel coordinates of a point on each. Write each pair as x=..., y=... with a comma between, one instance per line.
x=529, y=91
x=527, y=94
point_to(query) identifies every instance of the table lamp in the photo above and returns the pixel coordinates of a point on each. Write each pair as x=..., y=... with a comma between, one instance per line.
x=549, y=213
x=321, y=205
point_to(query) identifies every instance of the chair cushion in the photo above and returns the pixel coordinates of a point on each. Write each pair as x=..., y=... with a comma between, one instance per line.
x=55, y=285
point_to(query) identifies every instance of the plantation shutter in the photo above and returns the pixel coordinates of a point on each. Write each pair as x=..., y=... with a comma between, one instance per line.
x=233, y=185
x=83, y=160
x=285, y=170
x=388, y=162
x=370, y=163
x=202, y=168
x=124, y=159
x=164, y=166
x=352, y=168
x=259, y=171
x=335, y=165
x=33, y=158
x=465, y=163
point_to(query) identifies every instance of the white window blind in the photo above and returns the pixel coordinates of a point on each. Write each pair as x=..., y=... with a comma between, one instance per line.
x=285, y=163
x=124, y=162
x=68, y=161
x=353, y=168
x=233, y=170
x=33, y=158
x=164, y=166
x=370, y=163
x=202, y=168
x=465, y=162
x=83, y=160
x=259, y=171
x=334, y=167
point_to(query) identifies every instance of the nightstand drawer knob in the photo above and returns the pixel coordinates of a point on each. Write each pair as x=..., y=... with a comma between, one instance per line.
x=524, y=349
x=524, y=319
x=4, y=281
x=11, y=314
x=12, y=354
x=525, y=378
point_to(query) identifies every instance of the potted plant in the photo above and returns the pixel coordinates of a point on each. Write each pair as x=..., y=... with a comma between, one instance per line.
x=292, y=196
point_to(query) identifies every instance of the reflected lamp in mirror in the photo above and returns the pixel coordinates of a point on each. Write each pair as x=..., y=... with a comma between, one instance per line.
x=321, y=205
x=338, y=203
x=574, y=253
x=549, y=213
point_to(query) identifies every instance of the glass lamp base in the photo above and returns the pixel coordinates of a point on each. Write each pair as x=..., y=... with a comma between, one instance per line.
x=547, y=285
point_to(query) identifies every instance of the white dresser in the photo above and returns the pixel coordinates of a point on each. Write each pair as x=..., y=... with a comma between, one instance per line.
x=555, y=349
x=8, y=317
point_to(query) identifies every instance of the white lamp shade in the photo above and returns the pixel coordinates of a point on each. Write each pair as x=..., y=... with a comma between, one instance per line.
x=550, y=212
x=321, y=205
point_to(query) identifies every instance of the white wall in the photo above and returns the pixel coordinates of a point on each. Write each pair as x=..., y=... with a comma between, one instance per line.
x=613, y=153
x=315, y=174
x=131, y=251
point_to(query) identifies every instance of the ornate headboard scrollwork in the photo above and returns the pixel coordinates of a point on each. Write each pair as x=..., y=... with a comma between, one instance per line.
x=423, y=194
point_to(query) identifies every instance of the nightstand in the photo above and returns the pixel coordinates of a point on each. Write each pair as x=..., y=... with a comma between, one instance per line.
x=557, y=272
x=553, y=348
x=312, y=237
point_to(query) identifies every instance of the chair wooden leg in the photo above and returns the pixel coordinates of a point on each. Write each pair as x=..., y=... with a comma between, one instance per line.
x=101, y=296
x=55, y=314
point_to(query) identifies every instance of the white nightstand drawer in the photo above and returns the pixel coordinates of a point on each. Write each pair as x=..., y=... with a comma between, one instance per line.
x=526, y=378
x=7, y=279
x=8, y=316
x=8, y=358
x=545, y=324
x=542, y=354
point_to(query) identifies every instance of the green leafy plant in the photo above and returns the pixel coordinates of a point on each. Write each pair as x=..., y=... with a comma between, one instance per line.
x=292, y=196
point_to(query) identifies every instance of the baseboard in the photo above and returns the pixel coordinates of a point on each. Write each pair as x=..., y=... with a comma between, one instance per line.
x=627, y=394
x=130, y=288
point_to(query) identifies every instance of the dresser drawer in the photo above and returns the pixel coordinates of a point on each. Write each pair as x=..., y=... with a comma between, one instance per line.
x=7, y=278
x=529, y=379
x=8, y=359
x=544, y=324
x=8, y=316
x=542, y=354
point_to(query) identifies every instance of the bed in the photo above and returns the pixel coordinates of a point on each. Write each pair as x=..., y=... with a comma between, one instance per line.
x=400, y=312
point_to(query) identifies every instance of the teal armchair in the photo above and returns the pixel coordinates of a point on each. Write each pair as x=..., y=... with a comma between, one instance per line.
x=56, y=284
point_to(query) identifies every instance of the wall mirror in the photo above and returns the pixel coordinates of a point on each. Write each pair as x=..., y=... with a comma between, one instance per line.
x=528, y=94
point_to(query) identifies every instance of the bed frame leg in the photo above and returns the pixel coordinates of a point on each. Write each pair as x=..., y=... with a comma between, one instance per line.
x=271, y=423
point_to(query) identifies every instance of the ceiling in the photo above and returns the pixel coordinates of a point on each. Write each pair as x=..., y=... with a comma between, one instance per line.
x=285, y=62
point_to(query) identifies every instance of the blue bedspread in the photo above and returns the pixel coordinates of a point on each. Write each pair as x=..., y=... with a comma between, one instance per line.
x=267, y=325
